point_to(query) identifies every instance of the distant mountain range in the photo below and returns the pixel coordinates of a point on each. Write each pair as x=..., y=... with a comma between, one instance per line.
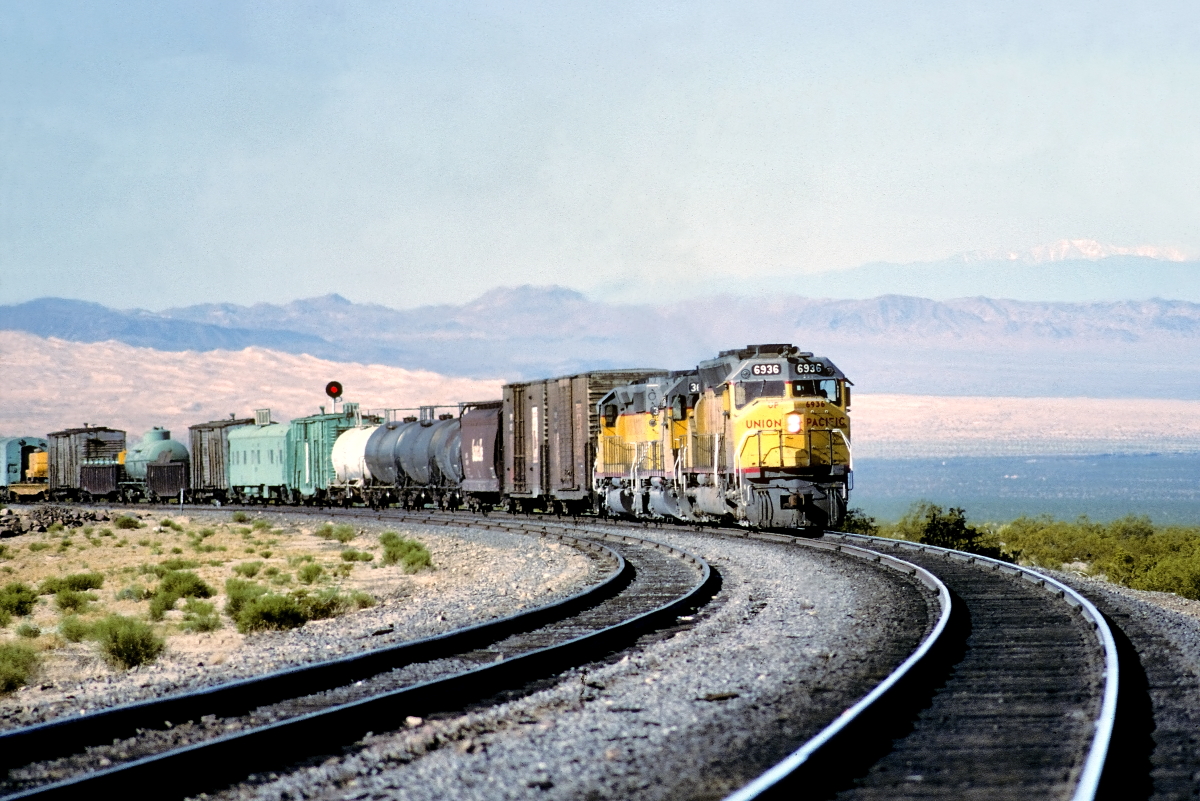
x=891, y=343
x=1032, y=276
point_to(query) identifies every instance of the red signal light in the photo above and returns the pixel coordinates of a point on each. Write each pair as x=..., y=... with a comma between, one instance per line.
x=334, y=389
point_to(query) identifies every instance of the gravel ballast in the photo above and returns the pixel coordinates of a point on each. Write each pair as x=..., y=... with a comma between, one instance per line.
x=794, y=636
x=478, y=575
x=1157, y=738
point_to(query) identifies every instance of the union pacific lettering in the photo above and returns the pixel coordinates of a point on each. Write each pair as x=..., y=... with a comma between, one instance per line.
x=767, y=423
x=826, y=422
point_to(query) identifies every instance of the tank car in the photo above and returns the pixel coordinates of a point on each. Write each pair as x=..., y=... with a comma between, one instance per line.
x=259, y=462
x=413, y=461
x=759, y=435
x=23, y=472
x=157, y=468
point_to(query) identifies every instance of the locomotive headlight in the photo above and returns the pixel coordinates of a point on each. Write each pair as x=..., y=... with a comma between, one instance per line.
x=793, y=423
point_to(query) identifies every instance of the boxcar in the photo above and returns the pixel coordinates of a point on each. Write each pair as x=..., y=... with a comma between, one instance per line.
x=210, y=454
x=73, y=448
x=549, y=430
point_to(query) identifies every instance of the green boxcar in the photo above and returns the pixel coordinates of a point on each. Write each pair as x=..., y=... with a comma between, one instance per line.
x=312, y=447
x=260, y=465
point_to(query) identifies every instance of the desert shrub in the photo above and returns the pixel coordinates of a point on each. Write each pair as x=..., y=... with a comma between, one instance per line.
x=39, y=546
x=260, y=524
x=56, y=528
x=4, y=552
x=28, y=631
x=17, y=663
x=73, y=600
x=184, y=584
x=281, y=578
x=310, y=573
x=5, y=618
x=324, y=531
x=239, y=593
x=273, y=612
x=241, y=517
x=411, y=554
x=351, y=555
x=200, y=616
x=343, y=533
x=127, y=642
x=1130, y=551
x=858, y=522
x=75, y=581
x=127, y=522
x=248, y=569
x=929, y=524
x=265, y=554
x=177, y=584
x=17, y=599
x=362, y=600
x=73, y=629
x=167, y=522
x=134, y=592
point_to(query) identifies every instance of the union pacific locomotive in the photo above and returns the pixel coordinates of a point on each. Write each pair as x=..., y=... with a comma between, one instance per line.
x=759, y=435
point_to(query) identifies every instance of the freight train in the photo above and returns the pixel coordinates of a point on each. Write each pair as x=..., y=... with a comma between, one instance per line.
x=758, y=435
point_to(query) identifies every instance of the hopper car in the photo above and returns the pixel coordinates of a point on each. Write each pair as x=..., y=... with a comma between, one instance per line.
x=758, y=435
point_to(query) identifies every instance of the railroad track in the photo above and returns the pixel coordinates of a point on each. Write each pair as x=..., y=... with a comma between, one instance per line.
x=1016, y=698
x=274, y=721
x=1013, y=694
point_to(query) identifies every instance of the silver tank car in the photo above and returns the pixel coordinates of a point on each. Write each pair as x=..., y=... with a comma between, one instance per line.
x=411, y=462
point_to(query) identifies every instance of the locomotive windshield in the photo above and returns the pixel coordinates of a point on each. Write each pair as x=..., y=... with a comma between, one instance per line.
x=827, y=389
x=748, y=391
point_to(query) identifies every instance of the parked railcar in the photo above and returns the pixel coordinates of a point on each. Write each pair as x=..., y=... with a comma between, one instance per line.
x=312, y=441
x=209, y=444
x=259, y=462
x=156, y=468
x=83, y=462
x=23, y=468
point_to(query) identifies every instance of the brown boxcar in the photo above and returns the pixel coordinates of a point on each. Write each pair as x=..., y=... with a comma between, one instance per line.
x=69, y=450
x=210, y=455
x=549, y=429
x=99, y=479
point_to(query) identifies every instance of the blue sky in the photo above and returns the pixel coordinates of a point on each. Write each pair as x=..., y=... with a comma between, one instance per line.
x=163, y=154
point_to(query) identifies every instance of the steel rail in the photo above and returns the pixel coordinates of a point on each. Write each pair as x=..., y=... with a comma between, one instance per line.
x=803, y=757
x=1088, y=782
x=228, y=758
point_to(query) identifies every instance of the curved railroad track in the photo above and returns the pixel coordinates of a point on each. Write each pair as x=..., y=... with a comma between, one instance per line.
x=1013, y=694
x=273, y=721
x=1020, y=702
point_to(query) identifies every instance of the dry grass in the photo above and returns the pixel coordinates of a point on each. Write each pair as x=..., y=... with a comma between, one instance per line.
x=96, y=573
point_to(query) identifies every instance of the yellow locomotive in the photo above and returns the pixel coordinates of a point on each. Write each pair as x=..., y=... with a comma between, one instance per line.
x=760, y=435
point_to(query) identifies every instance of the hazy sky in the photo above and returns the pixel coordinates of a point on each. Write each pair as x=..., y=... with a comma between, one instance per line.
x=163, y=154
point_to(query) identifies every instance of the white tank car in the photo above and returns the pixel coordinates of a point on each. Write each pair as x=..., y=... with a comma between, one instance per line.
x=349, y=456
